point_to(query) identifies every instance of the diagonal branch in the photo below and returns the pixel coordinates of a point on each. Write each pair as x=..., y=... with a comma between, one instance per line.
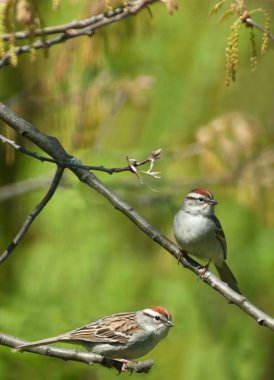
x=96, y=21
x=52, y=147
x=44, y=44
x=33, y=214
x=79, y=356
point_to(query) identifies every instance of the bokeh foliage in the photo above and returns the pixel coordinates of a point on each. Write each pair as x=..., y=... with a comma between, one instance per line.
x=144, y=83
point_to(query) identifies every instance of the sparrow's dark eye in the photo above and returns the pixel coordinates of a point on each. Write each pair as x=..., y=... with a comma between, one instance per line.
x=201, y=199
x=157, y=318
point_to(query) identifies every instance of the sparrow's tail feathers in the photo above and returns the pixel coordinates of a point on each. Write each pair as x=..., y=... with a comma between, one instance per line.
x=227, y=276
x=43, y=342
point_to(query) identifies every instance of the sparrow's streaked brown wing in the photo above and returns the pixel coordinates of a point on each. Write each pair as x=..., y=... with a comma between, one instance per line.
x=115, y=328
x=111, y=329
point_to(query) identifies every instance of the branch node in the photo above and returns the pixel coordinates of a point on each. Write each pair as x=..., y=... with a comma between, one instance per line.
x=261, y=321
x=75, y=161
x=245, y=18
x=243, y=299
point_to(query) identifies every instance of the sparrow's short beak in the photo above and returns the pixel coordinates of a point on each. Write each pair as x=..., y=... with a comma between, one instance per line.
x=213, y=202
x=170, y=324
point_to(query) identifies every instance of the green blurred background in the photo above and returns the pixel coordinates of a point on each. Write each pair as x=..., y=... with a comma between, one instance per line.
x=142, y=84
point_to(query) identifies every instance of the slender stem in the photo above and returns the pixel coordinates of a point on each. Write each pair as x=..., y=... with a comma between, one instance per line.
x=249, y=22
x=74, y=163
x=33, y=215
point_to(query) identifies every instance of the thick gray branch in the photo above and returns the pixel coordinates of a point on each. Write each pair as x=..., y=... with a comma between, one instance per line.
x=78, y=356
x=57, y=151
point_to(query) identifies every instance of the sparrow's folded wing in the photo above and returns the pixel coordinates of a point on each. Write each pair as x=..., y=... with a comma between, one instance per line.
x=116, y=328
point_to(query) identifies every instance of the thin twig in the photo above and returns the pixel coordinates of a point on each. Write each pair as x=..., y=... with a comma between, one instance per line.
x=52, y=147
x=79, y=356
x=33, y=214
x=44, y=44
x=75, y=163
x=249, y=22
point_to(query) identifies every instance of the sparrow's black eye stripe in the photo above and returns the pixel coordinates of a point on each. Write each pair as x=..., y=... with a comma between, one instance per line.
x=200, y=199
x=192, y=198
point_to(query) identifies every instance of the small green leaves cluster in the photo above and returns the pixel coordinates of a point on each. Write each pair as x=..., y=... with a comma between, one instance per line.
x=266, y=34
x=2, y=28
x=217, y=7
x=15, y=14
x=237, y=8
x=265, y=29
x=253, y=51
x=7, y=11
x=232, y=52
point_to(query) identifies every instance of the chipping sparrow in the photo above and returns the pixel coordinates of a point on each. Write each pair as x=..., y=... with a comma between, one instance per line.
x=119, y=336
x=199, y=233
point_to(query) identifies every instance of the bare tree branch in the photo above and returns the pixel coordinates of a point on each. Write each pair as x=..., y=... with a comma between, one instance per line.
x=33, y=214
x=79, y=356
x=75, y=163
x=73, y=29
x=95, y=22
x=52, y=147
x=44, y=44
